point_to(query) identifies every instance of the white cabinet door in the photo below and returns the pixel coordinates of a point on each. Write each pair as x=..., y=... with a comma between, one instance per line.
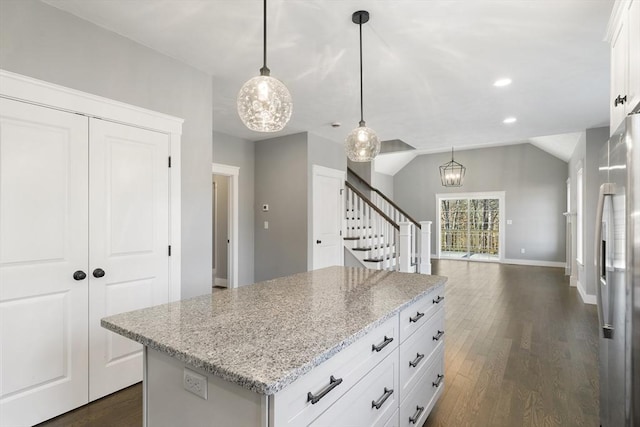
x=619, y=62
x=327, y=217
x=129, y=238
x=633, y=79
x=43, y=241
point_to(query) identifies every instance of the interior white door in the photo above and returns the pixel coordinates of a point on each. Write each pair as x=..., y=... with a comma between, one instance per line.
x=43, y=229
x=129, y=238
x=328, y=212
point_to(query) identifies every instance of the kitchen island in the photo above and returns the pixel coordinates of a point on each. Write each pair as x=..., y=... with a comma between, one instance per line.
x=336, y=346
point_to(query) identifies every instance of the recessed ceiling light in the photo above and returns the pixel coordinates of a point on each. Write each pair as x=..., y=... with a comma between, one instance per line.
x=509, y=120
x=502, y=82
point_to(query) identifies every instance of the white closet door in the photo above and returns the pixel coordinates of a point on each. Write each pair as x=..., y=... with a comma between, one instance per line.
x=43, y=241
x=129, y=238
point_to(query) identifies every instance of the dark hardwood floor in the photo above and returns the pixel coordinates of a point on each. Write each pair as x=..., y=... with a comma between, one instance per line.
x=121, y=409
x=521, y=350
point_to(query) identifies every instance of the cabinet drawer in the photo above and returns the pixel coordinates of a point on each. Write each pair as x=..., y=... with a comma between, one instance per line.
x=415, y=409
x=330, y=380
x=417, y=314
x=417, y=351
x=371, y=402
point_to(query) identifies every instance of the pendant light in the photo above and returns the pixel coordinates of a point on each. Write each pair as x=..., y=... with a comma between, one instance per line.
x=452, y=173
x=362, y=144
x=264, y=102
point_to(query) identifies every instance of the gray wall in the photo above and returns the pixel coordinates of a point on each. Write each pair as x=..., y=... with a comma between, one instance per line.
x=45, y=43
x=281, y=182
x=221, y=226
x=232, y=151
x=587, y=153
x=383, y=182
x=535, y=194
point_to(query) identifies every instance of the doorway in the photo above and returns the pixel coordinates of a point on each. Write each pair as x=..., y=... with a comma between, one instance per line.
x=471, y=226
x=224, y=262
x=327, y=247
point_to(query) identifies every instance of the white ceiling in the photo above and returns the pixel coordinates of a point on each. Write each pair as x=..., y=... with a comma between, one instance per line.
x=429, y=66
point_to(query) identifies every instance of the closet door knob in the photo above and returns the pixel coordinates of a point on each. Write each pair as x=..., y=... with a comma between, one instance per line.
x=98, y=273
x=79, y=275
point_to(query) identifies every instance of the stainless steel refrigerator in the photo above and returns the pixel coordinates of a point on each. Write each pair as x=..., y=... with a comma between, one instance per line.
x=617, y=262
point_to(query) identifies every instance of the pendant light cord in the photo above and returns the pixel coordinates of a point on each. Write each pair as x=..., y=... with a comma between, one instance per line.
x=264, y=71
x=361, y=95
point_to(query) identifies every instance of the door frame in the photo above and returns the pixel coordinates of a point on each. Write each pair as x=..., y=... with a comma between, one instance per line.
x=317, y=170
x=500, y=195
x=39, y=92
x=233, y=172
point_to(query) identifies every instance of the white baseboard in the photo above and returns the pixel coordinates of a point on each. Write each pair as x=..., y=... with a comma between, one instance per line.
x=573, y=281
x=220, y=282
x=586, y=298
x=534, y=262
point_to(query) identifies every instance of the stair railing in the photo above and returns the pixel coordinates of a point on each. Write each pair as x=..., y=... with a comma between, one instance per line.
x=396, y=214
x=373, y=228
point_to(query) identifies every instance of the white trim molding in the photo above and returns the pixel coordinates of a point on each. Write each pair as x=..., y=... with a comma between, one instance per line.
x=38, y=92
x=586, y=298
x=233, y=172
x=34, y=91
x=534, y=262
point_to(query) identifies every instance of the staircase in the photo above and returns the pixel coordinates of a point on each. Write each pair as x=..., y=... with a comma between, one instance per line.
x=380, y=235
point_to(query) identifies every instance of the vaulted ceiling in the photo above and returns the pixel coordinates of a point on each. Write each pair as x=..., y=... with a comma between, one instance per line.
x=429, y=66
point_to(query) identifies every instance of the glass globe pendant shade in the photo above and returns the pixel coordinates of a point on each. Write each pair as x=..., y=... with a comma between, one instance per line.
x=264, y=104
x=362, y=144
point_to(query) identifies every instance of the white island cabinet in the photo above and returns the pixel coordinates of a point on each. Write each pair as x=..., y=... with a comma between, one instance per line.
x=333, y=347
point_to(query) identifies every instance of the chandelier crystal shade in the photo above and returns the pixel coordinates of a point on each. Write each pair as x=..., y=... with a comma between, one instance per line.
x=264, y=102
x=452, y=173
x=362, y=144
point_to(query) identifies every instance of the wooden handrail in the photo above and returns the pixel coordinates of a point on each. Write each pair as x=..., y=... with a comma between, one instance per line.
x=388, y=200
x=374, y=207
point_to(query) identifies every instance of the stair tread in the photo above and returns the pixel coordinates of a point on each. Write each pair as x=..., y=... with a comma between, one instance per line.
x=379, y=259
x=372, y=248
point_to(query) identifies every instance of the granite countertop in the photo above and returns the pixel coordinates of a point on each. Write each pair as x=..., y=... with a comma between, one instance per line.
x=266, y=335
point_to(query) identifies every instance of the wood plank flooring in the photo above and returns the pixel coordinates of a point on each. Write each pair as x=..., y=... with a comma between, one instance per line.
x=521, y=350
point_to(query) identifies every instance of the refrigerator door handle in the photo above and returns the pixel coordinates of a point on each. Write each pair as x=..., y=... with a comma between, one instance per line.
x=606, y=189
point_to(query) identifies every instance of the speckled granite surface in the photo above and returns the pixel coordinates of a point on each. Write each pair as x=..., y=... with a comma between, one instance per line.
x=264, y=336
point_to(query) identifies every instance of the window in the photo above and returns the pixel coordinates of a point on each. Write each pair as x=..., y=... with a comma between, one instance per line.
x=469, y=226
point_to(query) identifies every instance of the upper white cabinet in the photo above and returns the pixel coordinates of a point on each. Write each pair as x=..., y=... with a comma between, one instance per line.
x=87, y=203
x=624, y=36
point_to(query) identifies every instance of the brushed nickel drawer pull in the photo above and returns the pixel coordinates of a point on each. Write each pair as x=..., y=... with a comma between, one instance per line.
x=380, y=402
x=333, y=383
x=439, y=335
x=438, y=381
x=416, y=416
x=382, y=345
x=417, y=360
x=437, y=300
x=417, y=317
